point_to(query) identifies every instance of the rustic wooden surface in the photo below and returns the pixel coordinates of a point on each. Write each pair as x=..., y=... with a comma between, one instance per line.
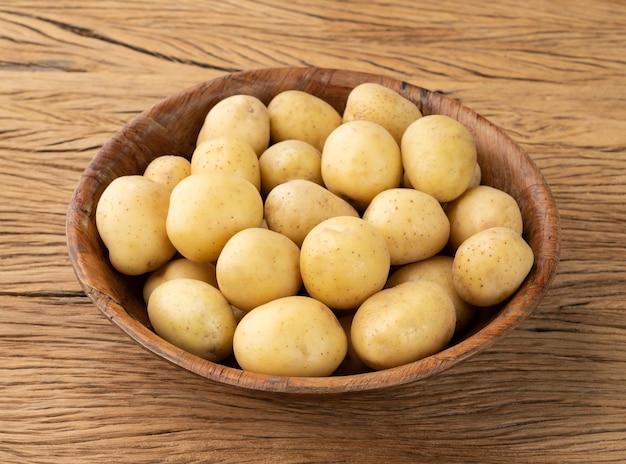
x=73, y=388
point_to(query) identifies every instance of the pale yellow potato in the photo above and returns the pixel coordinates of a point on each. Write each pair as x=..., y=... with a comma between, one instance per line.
x=208, y=208
x=343, y=261
x=299, y=115
x=351, y=364
x=361, y=159
x=168, y=170
x=491, y=265
x=288, y=160
x=294, y=336
x=480, y=208
x=413, y=223
x=194, y=316
x=294, y=207
x=227, y=154
x=256, y=266
x=476, y=177
x=242, y=116
x=437, y=269
x=131, y=218
x=439, y=156
x=403, y=324
x=180, y=268
x=382, y=105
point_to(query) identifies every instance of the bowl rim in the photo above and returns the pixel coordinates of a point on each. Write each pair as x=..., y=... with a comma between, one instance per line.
x=516, y=309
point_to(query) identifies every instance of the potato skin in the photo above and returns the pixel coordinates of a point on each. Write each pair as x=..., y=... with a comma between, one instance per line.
x=168, y=170
x=291, y=336
x=490, y=265
x=403, y=324
x=178, y=269
x=130, y=218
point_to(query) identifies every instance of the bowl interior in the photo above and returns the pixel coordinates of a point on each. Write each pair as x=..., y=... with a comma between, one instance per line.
x=172, y=126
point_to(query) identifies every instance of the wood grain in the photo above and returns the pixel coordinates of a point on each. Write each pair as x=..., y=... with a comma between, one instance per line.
x=74, y=388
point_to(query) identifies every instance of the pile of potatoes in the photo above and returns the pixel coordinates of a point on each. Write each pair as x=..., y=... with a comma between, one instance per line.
x=304, y=242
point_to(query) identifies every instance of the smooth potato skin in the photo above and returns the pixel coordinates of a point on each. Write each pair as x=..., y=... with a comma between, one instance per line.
x=130, y=218
x=178, y=269
x=490, y=265
x=168, y=170
x=403, y=324
x=293, y=336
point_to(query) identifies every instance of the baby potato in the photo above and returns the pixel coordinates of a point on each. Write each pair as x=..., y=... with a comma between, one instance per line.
x=361, y=159
x=178, y=269
x=227, y=154
x=382, y=105
x=241, y=116
x=293, y=336
x=194, y=316
x=208, y=208
x=413, y=223
x=168, y=170
x=490, y=266
x=288, y=160
x=293, y=208
x=439, y=156
x=403, y=324
x=256, y=266
x=299, y=115
x=344, y=260
x=480, y=208
x=436, y=269
x=131, y=218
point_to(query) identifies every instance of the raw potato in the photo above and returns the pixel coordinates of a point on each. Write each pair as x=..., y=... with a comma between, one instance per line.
x=403, y=324
x=343, y=261
x=351, y=364
x=437, y=269
x=301, y=116
x=130, y=218
x=288, y=160
x=480, y=208
x=439, y=156
x=256, y=266
x=208, y=208
x=293, y=336
x=227, y=154
x=168, y=170
x=194, y=316
x=242, y=116
x=361, y=159
x=295, y=207
x=382, y=105
x=491, y=265
x=413, y=223
x=178, y=269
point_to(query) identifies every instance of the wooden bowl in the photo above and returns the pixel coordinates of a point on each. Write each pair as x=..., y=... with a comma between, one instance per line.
x=172, y=126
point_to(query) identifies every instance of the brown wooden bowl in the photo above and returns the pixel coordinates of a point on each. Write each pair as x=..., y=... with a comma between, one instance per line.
x=172, y=126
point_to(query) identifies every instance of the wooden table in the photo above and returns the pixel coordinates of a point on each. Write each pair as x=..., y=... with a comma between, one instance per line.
x=74, y=388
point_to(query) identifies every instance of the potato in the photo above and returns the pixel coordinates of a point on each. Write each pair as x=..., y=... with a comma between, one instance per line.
x=344, y=260
x=299, y=115
x=480, y=208
x=256, y=266
x=295, y=207
x=361, y=159
x=178, y=269
x=439, y=156
x=241, y=116
x=227, y=154
x=194, y=316
x=208, y=208
x=413, y=223
x=168, y=170
x=292, y=336
x=403, y=324
x=351, y=363
x=437, y=269
x=130, y=218
x=382, y=105
x=476, y=177
x=288, y=160
x=490, y=266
